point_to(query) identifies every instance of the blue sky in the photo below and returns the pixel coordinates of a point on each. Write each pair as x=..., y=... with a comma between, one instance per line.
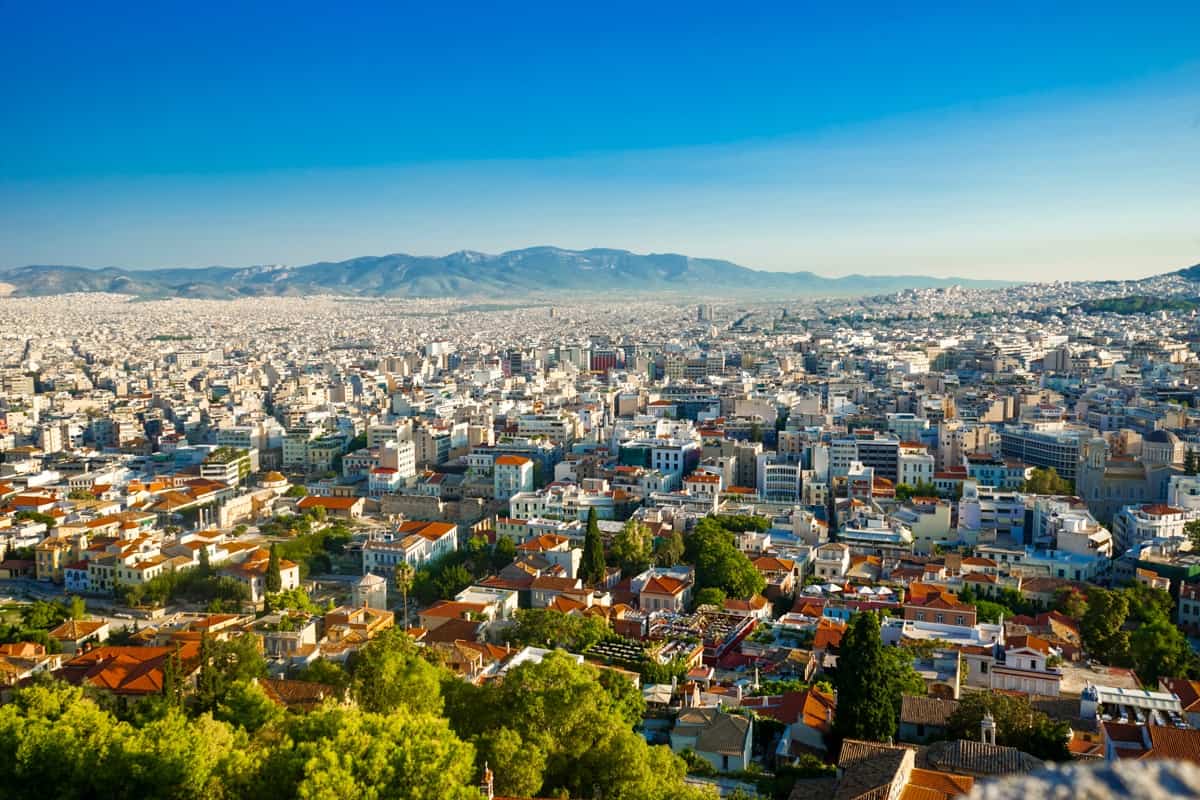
x=966, y=139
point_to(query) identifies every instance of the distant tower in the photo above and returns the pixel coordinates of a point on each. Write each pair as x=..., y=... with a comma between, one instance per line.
x=704, y=312
x=987, y=728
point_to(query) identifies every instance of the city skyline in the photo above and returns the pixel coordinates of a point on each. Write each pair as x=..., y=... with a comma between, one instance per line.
x=931, y=143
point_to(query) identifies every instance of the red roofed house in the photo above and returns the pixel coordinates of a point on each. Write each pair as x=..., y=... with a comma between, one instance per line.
x=253, y=573
x=343, y=507
x=510, y=475
x=779, y=573
x=131, y=671
x=808, y=716
x=665, y=593
x=943, y=608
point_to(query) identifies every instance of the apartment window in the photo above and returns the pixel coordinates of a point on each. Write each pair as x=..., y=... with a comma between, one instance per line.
x=983, y=667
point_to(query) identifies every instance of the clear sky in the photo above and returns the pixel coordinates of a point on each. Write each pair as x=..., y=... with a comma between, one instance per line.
x=1023, y=140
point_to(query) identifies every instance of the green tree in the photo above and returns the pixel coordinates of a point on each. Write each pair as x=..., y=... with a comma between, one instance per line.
x=1047, y=481
x=710, y=596
x=205, y=566
x=1102, y=626
x=324, y=671
x=273, y=581
x=342, y=753
x=866, y=706
x=669, y=550
x=1070, y=601
x=247, y=706
x=478, y=555
x=503, y=553
x=518, y=767
x=1191, y=465
x=76, y=607
x=44, y=616
x=1159, y=650
x=403, y=577
x=631, y=548
x=545, y=627
x=1018, y=724
x=452, y=580
x=562, y=709
x=905, y=492
x=1192, y=529
x=989, y=611
x=710, y=547
x=222, y=664
x=593, y=568
x=389, y=673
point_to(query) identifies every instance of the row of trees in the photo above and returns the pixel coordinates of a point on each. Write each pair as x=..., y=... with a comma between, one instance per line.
x=1132, y=627
x=633, y=549
x=556, y=728
x=710, y=548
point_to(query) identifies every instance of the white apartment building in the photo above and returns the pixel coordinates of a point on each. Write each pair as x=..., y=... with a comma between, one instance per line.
x=1140, y=523
x=914, y=466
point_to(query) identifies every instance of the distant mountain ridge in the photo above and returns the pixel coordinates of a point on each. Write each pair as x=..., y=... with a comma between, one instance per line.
x=530, y=271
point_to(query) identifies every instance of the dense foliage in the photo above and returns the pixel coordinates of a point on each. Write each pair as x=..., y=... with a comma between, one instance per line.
x=1132, y=627
x=557, y=727
x=1018, y=724
x=710, y=547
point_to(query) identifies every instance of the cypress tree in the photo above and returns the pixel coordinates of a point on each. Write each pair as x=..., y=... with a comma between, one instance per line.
x=274, y=580
x=865, y=708
x=593, y=567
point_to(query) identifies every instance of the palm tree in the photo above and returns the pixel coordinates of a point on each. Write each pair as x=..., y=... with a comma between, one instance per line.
x=403, y=575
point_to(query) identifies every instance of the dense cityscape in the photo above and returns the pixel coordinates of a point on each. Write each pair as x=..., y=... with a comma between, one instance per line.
x=622, y=401
x=900, y=546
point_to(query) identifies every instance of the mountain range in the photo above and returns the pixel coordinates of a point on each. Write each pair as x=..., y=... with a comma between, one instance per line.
x=530, y=271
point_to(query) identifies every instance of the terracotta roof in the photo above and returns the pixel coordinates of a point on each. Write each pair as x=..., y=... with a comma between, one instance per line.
x=1187, y=691
x=866, y=768
x=829, y=634
x=302, y=695
x=924, y=710
x=329, y=503
x=963, y=755
x=75, y=629
x=127, y=670
x=663, y=584
x=1174, y=743
x=925, y=783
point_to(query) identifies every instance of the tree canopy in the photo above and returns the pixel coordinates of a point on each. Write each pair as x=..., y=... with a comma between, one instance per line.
x=1047, y=481
x=719, y=564
x=573, y=729
x=1018, y=724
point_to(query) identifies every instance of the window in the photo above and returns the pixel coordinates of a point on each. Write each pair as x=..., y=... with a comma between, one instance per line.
x=983, y=667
